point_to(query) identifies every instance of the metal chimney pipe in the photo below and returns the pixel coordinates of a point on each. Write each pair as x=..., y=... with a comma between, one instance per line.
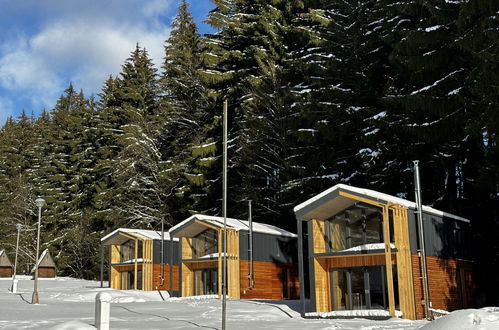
x=251, y=271
x=419, y=211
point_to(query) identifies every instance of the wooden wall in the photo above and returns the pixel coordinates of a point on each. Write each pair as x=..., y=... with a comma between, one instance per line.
x=188, y=269
x=447, y=292
x=6, y=271
x=268, y=280
x=46, y=272
x=166, y=285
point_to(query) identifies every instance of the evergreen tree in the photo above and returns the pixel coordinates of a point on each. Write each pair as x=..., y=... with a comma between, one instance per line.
x=137, y=196
x=189, y=136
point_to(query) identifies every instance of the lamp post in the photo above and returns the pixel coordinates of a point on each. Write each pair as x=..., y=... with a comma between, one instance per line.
x=40, y=202
x=14, y=281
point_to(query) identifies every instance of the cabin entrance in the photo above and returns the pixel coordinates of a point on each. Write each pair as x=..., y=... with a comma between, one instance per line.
x=359, y=288
x=205, y=281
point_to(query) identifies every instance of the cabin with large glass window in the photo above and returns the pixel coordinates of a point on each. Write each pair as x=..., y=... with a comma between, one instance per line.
x=261, y=259
x=141, y=260
x=364, y=254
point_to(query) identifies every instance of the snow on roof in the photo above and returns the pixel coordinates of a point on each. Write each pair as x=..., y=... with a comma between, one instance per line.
x=377, y=196
x=42, y=256
x=2, y=252
x=235, y=224
x=141, y=233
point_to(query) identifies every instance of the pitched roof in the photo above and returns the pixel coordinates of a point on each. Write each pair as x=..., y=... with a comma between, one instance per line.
x=322, y=203
x=4, y=259
x=45, y=260
x=231, y=223
x=139, y=233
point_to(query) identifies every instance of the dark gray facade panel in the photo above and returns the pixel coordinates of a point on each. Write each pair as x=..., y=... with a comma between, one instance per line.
x=268, y=248
x=157, y=252
x=445, y=237
x=413, y=230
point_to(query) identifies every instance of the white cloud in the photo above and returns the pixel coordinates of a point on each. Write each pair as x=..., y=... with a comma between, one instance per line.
x=6, y=110
x=83, y=48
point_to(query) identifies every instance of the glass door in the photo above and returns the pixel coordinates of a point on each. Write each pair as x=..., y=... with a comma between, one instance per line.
x=205, y=281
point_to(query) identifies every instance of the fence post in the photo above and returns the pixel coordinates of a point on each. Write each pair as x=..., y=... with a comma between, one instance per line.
x=102, y=310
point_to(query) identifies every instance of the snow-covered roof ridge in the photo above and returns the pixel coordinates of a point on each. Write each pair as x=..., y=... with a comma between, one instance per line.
x=378, y=196
x=42, y=256
x=236, y=224
x=142, y=233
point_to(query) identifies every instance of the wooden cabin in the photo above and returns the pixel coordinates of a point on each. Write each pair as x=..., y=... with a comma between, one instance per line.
x=46, y=265
x=268, y=271
x=364, y=254
x=135, y=260
x=6, y=268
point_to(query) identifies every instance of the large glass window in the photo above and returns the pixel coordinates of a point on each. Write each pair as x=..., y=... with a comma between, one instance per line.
x=205, y=243
x=205, y=281
x=357, y=228
x=127, y=251
x=360, y=288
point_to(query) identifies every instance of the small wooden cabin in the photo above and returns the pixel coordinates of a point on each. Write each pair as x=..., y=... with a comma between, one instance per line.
x=269, y=271
x=6, y=268
x=364, y=254
x=46, y=266
x=135, y=260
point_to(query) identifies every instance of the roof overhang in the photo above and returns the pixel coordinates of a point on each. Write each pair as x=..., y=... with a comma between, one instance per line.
x=340, y=197
x=191, y=227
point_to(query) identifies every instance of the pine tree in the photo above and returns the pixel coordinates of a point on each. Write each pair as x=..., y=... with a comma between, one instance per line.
x=189, y=136
x=137, y=196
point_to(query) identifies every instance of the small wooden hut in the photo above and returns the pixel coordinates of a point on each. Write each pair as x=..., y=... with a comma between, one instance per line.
x=6, y=268
x=46, y=266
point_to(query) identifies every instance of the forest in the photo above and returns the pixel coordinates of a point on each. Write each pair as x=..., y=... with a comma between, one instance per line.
x=319, y=92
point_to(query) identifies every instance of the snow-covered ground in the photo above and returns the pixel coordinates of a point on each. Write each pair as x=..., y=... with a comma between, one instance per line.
x=67, y=303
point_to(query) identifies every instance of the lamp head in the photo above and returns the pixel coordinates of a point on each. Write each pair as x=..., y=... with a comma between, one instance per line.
x=40, y=202
x=19, y=226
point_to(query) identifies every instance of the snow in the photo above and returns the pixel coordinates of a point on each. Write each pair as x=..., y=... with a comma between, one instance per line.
x=467, y=319
x=365, y=247
x=436, y=82
x=433, y=28
x=148, y=234
x=355, y=313
x=234, y=224
x=68, y=303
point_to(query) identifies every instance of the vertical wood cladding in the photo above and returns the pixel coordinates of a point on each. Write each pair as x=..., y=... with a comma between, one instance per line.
x=5, y=271
x=46, y=272
x=156, y=278
x=450, y=282
x=269, y=280
x=188, y=269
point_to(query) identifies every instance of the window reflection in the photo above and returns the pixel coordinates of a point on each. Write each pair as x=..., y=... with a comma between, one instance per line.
x=204, y=244
x=360, y=227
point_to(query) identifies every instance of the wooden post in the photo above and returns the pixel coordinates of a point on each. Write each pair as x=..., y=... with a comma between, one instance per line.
x=388, y=260
x=136, y=247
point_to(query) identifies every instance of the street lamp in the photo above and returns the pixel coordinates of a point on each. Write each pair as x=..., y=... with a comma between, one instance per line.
x=14, y=281
x=40, y=202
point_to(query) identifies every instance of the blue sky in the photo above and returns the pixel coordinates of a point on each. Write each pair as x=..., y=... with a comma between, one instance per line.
x=46, y=44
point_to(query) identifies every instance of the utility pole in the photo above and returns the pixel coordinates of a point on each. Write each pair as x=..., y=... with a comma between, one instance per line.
x=224, y=210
